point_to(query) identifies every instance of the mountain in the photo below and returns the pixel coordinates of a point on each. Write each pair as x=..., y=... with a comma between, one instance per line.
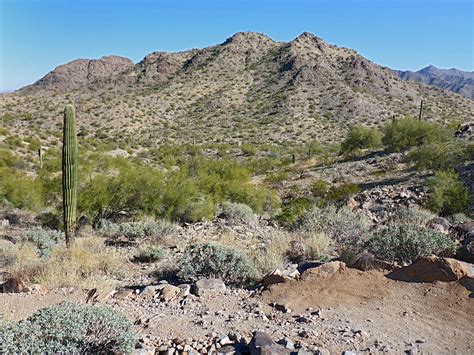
x=455, y=80
x=249, y=88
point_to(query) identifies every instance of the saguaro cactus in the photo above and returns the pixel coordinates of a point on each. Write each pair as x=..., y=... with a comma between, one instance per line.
x=40, y=157
x=420, y=116
x=69, y=169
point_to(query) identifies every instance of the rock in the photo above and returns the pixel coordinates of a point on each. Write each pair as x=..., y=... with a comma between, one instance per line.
x=262, y=344
x=227, y=349
x=168, y=292
x=205, y=286
x=439, y=224
x=466, y=228
x=185, y=290
x=324, y=270
x=123, y=293
x=13, y=285
x=287, y=343
x=151, y=290
x=433, y=268
x=274, y=277
x=144, y=351
x=352, y=203
x=367, y=261
x=323, y=352
x=466, y=252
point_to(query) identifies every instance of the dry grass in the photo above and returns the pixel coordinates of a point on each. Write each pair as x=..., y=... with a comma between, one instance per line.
x=88, y=264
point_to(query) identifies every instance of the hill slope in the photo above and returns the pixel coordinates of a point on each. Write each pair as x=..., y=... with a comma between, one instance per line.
x=247, y=89
x=458, y=81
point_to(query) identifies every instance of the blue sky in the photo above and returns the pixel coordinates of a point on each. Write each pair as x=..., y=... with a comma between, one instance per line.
x=37, y=35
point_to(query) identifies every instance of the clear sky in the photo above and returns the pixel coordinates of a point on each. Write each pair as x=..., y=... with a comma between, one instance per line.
x=37, y=35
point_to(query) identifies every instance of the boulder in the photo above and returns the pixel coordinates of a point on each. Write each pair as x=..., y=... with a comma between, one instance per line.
x=13, y=285
x=433, y=268
x=263, y=344
x=123, y=293
x=466, y=252
x=466, y=228
x=206, y=286
x=274, y=277
x=152, y=290
x=324, y=270
x=439, y=224
x=168, y=292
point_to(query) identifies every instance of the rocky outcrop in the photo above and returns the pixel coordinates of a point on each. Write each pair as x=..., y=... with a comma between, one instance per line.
x=81, y=73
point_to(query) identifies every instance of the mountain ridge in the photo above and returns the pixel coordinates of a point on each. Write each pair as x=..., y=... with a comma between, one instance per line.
x=455, y=80
x=247, y=88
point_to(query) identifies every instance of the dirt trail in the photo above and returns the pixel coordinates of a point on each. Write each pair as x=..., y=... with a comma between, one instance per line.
x=352, y=310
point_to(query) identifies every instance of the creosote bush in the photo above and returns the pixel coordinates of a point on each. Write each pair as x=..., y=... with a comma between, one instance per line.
x=405, y=243
x=360, y=137
x=216, y=261
x=70, y=328
x=439, y=156
x=448, y=194
x=405, y=133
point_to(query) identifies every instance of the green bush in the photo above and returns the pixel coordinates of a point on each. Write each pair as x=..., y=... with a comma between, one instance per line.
x=44, y=239
x=149, y=254
x=360, y=137
x=347, y=229
x=405, y=243
x=237, y=212
x=292, y=211
x=448, y=194
x=438, y=156
x=342, y=192
x=21, y=191
x=405, y=133
x=248, y=149
x=70, y=328
x=215, y=261
x=320, y=188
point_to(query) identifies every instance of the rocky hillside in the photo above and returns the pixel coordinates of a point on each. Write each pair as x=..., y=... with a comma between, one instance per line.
x=458, y=81
x=250, y=88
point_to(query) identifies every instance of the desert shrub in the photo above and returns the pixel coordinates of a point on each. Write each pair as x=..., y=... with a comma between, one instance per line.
x=411, y=215
x=216, y=261
x=314, y=148
x=405, y=243
x=459, y=218
x=292, y=211
x=360, y=137
x=149, y=254
x=248, y=149
x=320, y=188
x=438, y=156
x=237, y=212
x=448, y=194
x=21, y=191
x=71, y=328
x=310, y=246
x=136, y=230
x=44, y=239
x=88, y=263
x=8, y=253
x=342, y=192
x=347, y=229
x=405, y=133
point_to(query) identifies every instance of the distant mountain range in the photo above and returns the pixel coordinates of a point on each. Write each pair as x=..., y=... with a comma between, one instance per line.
x=248, y=88
x=455, y=80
